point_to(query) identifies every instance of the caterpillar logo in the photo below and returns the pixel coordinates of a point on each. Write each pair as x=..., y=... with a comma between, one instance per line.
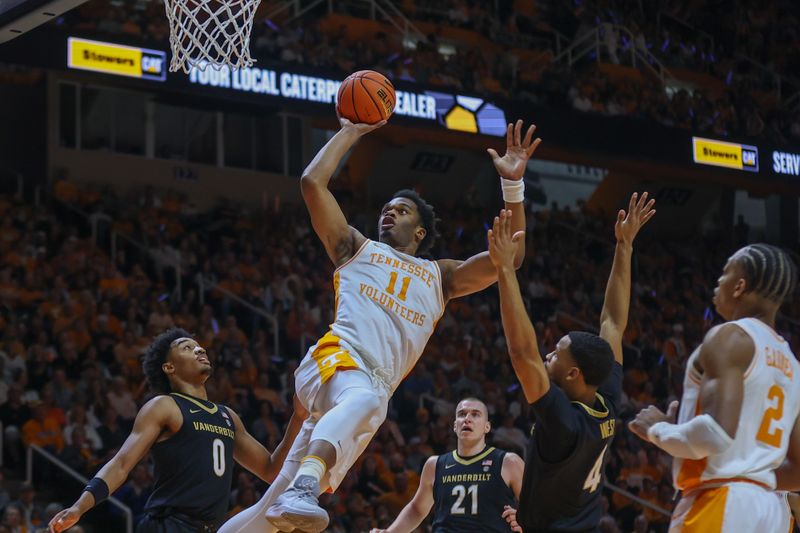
x=725, y=154
x=116, y=59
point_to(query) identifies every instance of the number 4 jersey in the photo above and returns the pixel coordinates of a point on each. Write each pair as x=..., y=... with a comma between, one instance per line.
x=469, y=493
x=387, y=306
x=770, y=406
x=194, y=467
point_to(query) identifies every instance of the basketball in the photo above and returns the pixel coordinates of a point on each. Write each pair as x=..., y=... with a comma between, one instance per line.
x=366, y=97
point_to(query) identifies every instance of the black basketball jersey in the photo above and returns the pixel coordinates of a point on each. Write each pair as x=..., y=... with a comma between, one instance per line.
x=194, y=467
x=469, y=493
x=567, y=452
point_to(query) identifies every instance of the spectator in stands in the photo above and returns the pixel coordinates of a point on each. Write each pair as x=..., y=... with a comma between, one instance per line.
x=5, y=497
x=77, y=419
x=43, y=429
x=79, y=455
x=136, y=491
x=32, y=513
x=14, y=414
x=12, y=520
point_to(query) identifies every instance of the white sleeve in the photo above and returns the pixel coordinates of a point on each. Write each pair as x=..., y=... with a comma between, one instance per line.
x=698, y=438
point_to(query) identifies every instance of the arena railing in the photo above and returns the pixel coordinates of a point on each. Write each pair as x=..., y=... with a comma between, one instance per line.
x=96, y=220
x=82, y=480
x=205, y=284
x=593, y=41
x=376, y=10
x=637, y=499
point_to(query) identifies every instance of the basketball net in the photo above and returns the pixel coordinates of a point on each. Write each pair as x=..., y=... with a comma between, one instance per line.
x=210, y=32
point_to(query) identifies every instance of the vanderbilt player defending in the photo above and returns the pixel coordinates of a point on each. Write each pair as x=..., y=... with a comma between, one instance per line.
x=739, y=411
x=193, y=442
x=469, y=487
x=387, y=303
x=574, y=394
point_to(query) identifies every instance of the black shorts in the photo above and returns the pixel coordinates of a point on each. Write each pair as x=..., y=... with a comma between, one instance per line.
x=171, y=522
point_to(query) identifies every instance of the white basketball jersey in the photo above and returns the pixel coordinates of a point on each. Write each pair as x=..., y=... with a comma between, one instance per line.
x=770, y=407
x=387, y=306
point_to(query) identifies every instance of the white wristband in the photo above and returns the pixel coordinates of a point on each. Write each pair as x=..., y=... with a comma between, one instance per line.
x=513, y=190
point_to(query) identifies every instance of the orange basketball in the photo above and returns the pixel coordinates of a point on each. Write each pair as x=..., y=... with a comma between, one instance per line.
x=366, y=97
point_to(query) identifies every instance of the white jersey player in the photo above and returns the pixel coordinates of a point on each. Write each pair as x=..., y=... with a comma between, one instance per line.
x=387, y=303
x=741, y=399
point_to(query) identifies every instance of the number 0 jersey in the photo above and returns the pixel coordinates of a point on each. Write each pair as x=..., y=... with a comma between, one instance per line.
x=469, y=493
x=770, y=406
x=194, y=467
x=387, y=306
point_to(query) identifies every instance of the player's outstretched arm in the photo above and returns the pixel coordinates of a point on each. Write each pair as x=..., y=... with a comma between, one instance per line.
x=519, y=332
x=339, y=239
x=614, y=317
x=477, y=272
x=420, y=505
x=252, y=455
x=153, y=418
x=725, y=356
x=788, y=474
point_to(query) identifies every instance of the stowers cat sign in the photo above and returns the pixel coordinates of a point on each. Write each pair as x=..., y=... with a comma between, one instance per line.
x=117, y=59
x=725, y=154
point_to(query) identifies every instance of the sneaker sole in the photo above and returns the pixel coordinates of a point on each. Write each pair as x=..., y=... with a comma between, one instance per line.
x=288, y=521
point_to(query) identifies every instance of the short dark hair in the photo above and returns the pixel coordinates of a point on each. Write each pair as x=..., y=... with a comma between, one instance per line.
x=593, y=355
x=427, y=217
x=156, y=356
x=768, y=271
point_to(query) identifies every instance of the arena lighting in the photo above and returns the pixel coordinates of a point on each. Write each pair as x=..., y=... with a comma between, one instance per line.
x=786, y=163
x=724, y=154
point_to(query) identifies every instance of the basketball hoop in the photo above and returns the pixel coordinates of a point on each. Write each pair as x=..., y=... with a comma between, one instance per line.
x=210, y=32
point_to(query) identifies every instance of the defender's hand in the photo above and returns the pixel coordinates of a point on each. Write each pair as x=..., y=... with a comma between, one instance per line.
x=512, y=165
x=299, y=410
x=502, y=244
x=640, y=211
x=510, y=516
x=64, y=520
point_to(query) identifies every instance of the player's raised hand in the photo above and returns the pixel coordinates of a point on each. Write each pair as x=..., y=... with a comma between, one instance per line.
x=502, y=244
x=640, y=211
x=360, y=129
x=64, y=520
x=650, y=416
x=376, y=530
x=512, y=165
x=510, y=516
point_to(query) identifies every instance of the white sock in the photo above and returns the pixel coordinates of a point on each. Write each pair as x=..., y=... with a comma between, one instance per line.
x=313, y=466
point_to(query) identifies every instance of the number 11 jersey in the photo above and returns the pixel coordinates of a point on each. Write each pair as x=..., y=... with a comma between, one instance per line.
x=387, y=306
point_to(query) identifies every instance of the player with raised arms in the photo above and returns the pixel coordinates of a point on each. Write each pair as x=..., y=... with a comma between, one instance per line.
x=574, y=394
x=468, y=488
x=193, y=442
x=388, y=301
x=739, y=411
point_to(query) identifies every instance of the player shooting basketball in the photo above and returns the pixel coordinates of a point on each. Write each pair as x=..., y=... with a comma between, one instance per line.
x=387, y=303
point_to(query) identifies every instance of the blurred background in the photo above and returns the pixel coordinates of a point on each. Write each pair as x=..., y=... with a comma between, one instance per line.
x=133, y=199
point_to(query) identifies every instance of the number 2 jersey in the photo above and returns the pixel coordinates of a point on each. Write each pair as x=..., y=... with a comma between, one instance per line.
x=387, y=306
x=194, y=467
x=770, y=406
x=469, y=493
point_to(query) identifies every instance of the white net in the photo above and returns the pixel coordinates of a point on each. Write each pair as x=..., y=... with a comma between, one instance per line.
x=210, y=32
